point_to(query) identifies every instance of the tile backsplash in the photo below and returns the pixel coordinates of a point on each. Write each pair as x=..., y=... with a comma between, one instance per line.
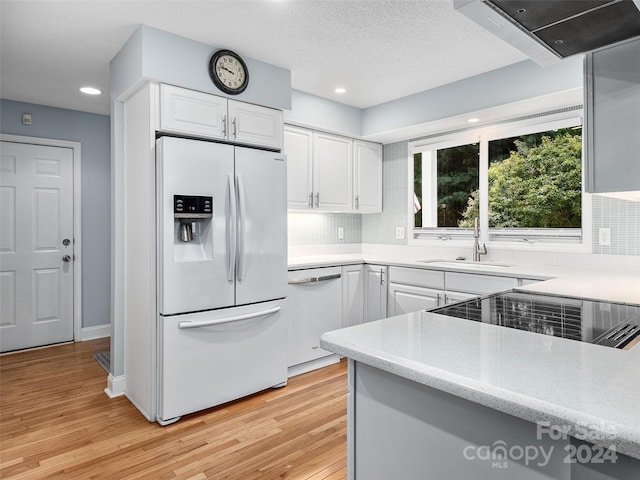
x=322, y=228
x=621, y=216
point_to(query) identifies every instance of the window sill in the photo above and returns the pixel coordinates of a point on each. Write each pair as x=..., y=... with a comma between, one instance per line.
x=466, y=241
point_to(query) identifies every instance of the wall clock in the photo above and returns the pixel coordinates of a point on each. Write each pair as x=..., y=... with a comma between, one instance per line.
x=228, y=72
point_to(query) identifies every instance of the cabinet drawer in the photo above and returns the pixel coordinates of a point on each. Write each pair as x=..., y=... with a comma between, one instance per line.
x=471, y=283
x=417, y=276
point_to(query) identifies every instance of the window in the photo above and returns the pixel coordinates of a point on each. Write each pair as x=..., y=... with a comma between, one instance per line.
x=451, y=175
x=535, y=180
x=522, y=181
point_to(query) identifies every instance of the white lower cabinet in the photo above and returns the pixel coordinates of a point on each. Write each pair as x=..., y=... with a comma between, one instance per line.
x=330, y=298
x=375, y=292
x=352, y=295
x=314, y=307
x=410, y=298
x=413, y=289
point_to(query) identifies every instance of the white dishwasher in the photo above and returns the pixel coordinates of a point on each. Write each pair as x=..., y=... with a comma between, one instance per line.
x=314, y=307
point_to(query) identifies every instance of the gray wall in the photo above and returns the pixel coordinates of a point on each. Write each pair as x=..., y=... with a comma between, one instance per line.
x=152, y=54
x=513, y=83
x=92, y=132
x=315, y=112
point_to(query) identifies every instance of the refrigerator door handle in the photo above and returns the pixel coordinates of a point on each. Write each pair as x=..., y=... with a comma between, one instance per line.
x=238, y=318
x=231, y=229
x=241, y=227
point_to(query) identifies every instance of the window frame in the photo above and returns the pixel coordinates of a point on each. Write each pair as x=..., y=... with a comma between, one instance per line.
x=536, y=239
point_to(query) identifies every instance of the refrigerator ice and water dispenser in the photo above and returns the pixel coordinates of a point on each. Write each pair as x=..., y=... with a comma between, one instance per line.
x=190, y=212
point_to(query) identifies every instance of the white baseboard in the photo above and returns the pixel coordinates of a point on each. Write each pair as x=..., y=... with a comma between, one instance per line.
x=92, y=333
x=115, y=386
x=312, y=365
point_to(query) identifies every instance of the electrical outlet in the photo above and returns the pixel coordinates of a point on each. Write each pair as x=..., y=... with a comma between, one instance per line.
x=340, y=233
x=399, y=233
x=604, y=237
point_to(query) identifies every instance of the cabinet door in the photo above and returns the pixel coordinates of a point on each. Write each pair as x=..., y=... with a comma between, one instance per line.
x=612, y=119
x=254, y=125
x=352, y=295
x=298, y=147
x=375, y=297
x=332, y=172
x=367, y=161
x=314, y=307
x=409, y=298
x=192, y=113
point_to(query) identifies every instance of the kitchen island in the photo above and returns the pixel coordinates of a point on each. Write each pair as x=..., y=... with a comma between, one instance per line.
x=440, y=397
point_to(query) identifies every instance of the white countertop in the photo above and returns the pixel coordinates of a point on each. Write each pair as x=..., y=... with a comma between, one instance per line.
x=575, y=385
x=534, y=377
x=582, y=282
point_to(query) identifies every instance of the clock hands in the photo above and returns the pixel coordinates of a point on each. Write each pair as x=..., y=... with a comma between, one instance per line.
x=230, y=71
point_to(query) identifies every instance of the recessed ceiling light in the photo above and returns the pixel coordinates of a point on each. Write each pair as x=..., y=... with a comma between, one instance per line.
x=90, y=90
x=473, y=120
x=340, y=90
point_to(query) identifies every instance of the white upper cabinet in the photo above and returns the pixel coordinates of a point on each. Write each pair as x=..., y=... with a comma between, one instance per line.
x=612, y=105
x=193, y=113
x=200, y=114
x=332, y=172
x=255, y=125
x=367, y=172
x=298, y=146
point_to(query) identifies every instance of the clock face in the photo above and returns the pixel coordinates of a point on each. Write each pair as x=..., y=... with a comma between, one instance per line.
x=229, y=72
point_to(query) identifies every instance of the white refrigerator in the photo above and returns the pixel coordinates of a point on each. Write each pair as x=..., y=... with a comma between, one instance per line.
x=222, y=273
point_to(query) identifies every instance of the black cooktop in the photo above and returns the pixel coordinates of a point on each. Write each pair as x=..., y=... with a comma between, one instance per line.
x=605, y=323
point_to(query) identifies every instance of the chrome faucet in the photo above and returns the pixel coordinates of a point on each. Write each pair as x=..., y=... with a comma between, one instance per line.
x=477, y=251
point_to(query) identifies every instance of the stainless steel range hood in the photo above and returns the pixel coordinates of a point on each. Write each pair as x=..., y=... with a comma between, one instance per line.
x=549, y=30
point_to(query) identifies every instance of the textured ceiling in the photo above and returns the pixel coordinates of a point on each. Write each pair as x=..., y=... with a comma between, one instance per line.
x=378, y=50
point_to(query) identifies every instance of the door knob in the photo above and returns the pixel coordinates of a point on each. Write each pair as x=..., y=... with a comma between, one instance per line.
x=66, y=258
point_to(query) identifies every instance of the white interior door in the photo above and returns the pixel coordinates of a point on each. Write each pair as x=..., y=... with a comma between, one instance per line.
x=36, y=245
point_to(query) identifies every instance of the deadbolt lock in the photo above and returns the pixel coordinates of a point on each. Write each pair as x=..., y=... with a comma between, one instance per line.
x=66, y=242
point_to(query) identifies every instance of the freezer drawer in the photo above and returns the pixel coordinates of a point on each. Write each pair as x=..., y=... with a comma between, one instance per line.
x=213, y=357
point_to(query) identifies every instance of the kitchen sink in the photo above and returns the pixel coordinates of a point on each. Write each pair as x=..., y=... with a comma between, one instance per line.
x=466, y=264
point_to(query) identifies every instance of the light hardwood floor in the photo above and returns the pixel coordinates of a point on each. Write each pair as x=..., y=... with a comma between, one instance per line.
x=57, y=423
